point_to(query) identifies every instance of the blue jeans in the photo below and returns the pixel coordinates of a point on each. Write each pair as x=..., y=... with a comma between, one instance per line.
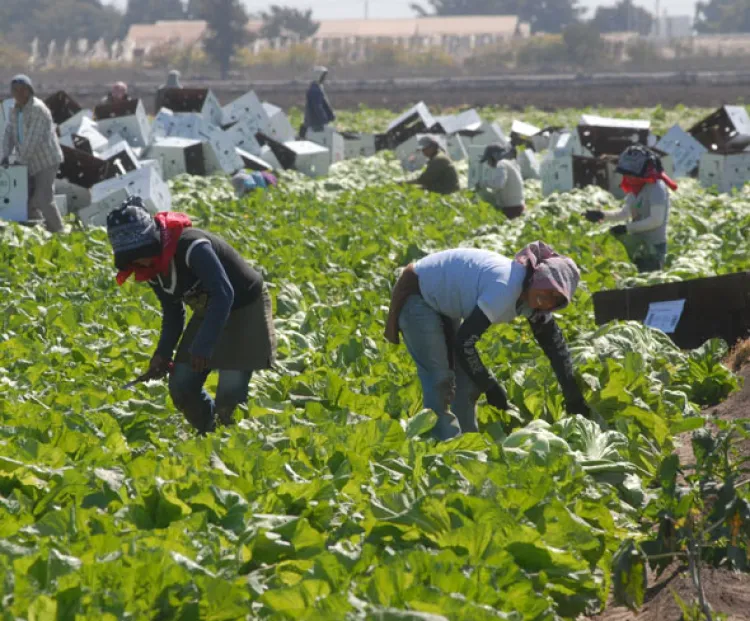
x=654, y=260
x=450, y=394
x=189, y=396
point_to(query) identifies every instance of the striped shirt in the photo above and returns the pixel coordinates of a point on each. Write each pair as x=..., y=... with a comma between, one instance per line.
x=36, y=143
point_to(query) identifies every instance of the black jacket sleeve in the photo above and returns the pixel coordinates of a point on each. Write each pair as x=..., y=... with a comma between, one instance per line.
x=467, y=355
x=172, y=323
x=208, y=268
x=550, y=338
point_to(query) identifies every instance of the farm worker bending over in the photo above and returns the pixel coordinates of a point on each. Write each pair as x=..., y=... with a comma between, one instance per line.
x=173, y=81
x=231, y=329
x=244, y=183
x=30, y=132
x=503, y=188
x=440, y=174
x=318, y=110
x=646, y=186
x=118, y=93
x=444, y=303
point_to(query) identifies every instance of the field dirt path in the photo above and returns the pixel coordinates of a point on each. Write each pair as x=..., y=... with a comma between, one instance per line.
x=727, y=592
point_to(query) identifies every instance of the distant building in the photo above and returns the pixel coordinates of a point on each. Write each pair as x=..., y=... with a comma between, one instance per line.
x=672, y=27
x=468, y=31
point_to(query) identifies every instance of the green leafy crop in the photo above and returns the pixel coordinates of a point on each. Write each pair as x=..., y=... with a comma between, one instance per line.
x=326, y=501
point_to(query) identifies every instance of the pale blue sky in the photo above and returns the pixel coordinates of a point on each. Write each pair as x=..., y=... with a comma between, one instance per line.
x=331, y=9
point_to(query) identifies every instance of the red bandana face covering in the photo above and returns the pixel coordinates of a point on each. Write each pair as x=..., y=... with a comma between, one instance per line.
x=171, y=225
x=634, y=185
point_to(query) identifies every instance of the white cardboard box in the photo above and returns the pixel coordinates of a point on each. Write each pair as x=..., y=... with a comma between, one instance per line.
x=88, y=129
x=279, y=128
x=220, y=152
x=529, y=164
x=359, y=145
x=109, y=195
x=267, y=155
x=74, y=122
x=569, y=144
x=161, y=126
x=177, y=156
x=557, y=174
x=253, y=162
x=604, y=121
x=420, y=110
x=726, y=172
x=14, y=193
x=156, y=165
x=331, y=140
x=242, y=135
x=469, y=120
x=489, y=133
x=684, y=149
x=134, y=128
x=212, y=111
x=246, y=108
x=456, y=148
x=188, y=125
x=77, y=197
x=309, y=158
x=123, y=152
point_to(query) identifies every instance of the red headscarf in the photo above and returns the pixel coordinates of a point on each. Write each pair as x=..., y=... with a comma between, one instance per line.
x=171, y=224
x=634, y=185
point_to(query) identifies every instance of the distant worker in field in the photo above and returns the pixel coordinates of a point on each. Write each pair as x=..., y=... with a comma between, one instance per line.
x=173, y=81
x=445, y=302
x=231, y=329
x=440, y=175
x=30, y=134
x=647, y=204
x=503, y=186
x=318, y=110
x=244, y=183
x=118, y=93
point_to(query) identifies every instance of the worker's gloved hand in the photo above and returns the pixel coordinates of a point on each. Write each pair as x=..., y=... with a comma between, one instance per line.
x=159, y=366
x=496, y=397
x=620, y=229
x=594, y=215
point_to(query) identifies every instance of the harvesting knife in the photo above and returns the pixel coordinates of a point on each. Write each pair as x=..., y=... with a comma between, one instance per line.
x=145, y=377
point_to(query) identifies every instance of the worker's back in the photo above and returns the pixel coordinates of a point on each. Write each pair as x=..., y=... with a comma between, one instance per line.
x=440, y=176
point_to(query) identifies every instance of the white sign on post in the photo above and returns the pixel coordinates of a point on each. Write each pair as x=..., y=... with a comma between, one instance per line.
x=665, y=316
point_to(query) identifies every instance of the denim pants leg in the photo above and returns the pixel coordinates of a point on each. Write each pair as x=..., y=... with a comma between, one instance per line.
x=465, y=402
x=232, y=390
x=654, y=260
x=189, y=396
x=423, y=333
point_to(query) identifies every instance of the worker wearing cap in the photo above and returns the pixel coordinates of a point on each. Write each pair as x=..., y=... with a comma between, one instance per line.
x=440, y=175
x=173, y=81
x=503, y=187
x=30, y=132
x=318, y=110
x=118, y=93
x=647, y=203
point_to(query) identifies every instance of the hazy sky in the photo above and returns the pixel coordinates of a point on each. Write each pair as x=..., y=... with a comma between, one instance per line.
x=331, y=9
